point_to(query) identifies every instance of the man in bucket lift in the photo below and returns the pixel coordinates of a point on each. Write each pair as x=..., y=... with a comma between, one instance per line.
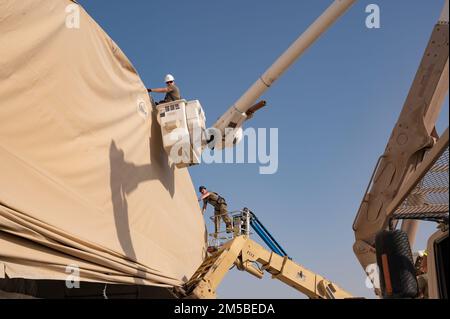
x=220, y=208
x=172, y=91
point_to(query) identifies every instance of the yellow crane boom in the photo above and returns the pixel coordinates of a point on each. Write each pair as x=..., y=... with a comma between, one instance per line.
x=249, y=256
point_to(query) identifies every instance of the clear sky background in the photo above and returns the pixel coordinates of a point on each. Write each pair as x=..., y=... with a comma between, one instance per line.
x=335, y=109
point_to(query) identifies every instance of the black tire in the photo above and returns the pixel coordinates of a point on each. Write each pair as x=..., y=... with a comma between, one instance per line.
x=399, y=279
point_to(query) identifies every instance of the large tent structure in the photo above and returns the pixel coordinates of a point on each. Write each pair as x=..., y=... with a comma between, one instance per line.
x=86, y=189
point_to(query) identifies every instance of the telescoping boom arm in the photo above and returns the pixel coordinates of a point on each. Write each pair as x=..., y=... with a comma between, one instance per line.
x=183, y=123
x=251, y=257
x=237, y=113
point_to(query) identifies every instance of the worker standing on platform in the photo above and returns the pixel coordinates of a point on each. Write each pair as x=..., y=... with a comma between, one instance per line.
x=220, y=208
x=171, y=90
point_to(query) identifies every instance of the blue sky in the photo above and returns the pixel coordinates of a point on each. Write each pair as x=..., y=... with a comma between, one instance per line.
x=335, y=109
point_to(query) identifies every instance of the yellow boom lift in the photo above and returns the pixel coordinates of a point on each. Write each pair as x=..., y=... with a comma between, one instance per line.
x=180, y=123
x=247, y=255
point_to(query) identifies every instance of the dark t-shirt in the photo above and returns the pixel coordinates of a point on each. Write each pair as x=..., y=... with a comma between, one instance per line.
x=214, y=200
x=173, y=94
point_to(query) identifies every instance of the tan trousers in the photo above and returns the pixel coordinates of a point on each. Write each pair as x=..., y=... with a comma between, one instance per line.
x=222, y=212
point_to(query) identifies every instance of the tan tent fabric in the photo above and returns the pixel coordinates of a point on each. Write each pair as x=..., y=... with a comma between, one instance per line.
x=83, y=177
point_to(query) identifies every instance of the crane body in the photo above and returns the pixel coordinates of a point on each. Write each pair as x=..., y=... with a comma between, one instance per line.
x=412, y=138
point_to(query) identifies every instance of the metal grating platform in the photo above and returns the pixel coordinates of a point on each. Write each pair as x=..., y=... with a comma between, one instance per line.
x=430, y=197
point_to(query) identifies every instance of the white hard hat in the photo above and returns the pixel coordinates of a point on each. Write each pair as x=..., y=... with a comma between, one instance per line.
x=168, y=78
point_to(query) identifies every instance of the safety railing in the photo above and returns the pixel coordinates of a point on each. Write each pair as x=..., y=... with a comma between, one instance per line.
x=240, y=222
